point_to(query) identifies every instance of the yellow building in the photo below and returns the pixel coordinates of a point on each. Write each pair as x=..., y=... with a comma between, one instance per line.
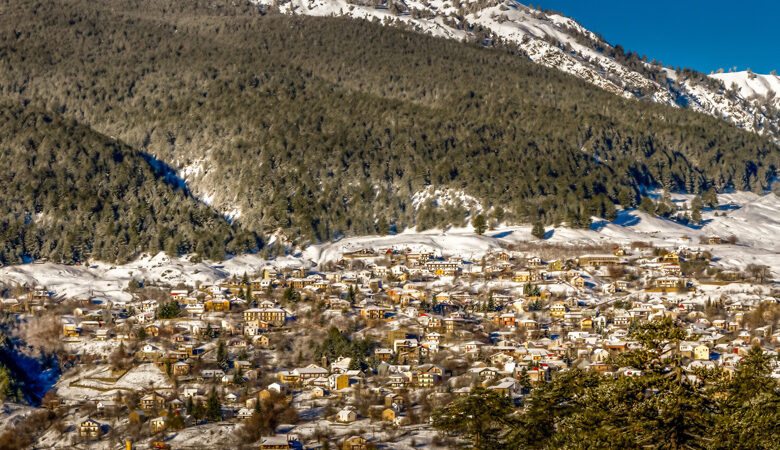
x=354, y=443
x=389, y=415
x=217, y=305
x=338, y=381
x=89, y=428
x=558, y=310
x=701, y=353
x=70, y=330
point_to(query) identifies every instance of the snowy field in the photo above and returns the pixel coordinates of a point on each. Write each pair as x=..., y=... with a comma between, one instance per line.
x=100, y=383
x=754, y=220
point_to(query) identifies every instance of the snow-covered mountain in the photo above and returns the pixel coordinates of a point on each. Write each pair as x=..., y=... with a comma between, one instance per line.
x=752, y=86
x=552, y=40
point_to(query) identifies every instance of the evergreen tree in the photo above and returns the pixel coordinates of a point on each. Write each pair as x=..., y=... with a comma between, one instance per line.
x=480, y=224
x=173, y=420
x=213, y=407
x=382, y=227
x=168, y=310
x=222, y=355
x=291, y=295
x=334, y=345
x=538, y=230
x=647, y=205
x=482, y=415
x=238, y=377
x=491, y=304
x=198, y=410
x=696, y=205
x=710, y=198
x=626, y=198
x=524, y=380
x=9, y=387
x=751, y=405
x=531, y=290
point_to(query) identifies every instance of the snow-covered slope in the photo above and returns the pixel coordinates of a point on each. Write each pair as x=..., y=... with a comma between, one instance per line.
x=559, y=42
x=752, y=85
x=754, y=221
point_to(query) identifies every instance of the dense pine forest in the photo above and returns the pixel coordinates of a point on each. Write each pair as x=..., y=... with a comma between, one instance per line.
x=318, y=128
x=70, y=193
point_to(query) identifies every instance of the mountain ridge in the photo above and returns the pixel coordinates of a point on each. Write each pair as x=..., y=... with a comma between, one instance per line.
x=550, y=39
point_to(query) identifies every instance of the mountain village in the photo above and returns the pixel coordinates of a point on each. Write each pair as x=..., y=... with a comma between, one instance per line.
x=387, y=224
x=358, y=352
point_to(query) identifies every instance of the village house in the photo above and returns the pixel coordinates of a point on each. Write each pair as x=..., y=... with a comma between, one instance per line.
x=152, y=401
x=157, y=424
x=598, y=260
x=271, y=315
x=354, y=443
x=89, y=429
x=346, y=415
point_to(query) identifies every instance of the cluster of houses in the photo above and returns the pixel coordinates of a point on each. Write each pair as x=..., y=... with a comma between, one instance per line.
x=439, y=326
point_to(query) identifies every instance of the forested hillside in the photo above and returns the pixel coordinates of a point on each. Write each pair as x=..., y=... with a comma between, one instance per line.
x=320, y=127
x=70, y=193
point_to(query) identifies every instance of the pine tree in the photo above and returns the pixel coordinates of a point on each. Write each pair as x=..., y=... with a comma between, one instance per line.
x=173, y=420
x=625, y=198
x=524, y=380
x=382, y=227
x=696, y=205
x=710, y=198
x=480, y=224
x=538, y=230
x=647, y=205
x=222, y=356
x=168, y=310
x=198, y=410
x=213, y=407
x=238, y=377
x=482, y=415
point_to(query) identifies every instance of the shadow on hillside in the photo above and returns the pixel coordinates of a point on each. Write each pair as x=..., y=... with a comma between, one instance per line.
x=625, y=218
x=502, y=235
x=695, y=226
x=163, y=170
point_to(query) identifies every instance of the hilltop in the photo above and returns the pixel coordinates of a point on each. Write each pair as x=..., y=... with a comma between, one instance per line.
x=550, y=39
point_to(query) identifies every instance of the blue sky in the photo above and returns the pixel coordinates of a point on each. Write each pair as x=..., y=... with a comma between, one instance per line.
x=702, y=35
